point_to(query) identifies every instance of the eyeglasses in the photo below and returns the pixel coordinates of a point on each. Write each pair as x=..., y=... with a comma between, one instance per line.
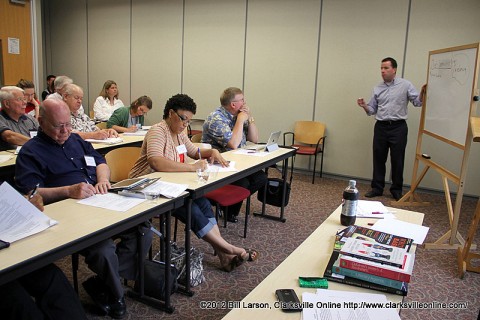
x=242, y=100
x=66, y=126
x=184, y=119
x=23, y=99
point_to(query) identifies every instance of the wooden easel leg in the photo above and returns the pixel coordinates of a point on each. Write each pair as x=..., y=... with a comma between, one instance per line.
x=411, y=198
x=464, y=256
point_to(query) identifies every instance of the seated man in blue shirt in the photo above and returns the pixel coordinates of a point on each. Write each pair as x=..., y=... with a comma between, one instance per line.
x=15, y=125
x=66, y=166
x=229, y=127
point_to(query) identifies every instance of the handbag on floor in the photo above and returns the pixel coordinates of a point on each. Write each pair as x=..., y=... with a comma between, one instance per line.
x=274, y=192
x=154, y=281
x=196, y=265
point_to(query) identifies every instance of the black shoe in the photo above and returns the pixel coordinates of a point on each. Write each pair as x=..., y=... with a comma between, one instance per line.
x=99, y=294
x=118, y=308
x=397, y=195
x=232, y=218
x=373, y=193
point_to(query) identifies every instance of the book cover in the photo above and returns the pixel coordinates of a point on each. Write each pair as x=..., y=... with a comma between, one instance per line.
x=331, y=276
x=381, y=270
x=363, y=233
x=399, y=285
x=374, y=251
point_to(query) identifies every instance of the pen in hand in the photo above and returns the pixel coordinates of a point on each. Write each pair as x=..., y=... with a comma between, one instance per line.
x=199, y=154
x=34, y=191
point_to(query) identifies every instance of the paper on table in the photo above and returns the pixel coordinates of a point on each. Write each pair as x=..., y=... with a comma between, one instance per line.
x=136, y=133
x=167, y=189
x=106, y=141
x=344, y=305
x=111, y=201
x=19, y=217
x=5, y=157
x=230, y=168
x=252, y=153
x=401, y=228
x=372, y=209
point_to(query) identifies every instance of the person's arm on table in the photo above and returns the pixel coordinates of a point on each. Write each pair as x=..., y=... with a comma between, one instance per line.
x=77, y=191
x=214, y=156
x=14, y=138
x=103, y=178
x=159, y=163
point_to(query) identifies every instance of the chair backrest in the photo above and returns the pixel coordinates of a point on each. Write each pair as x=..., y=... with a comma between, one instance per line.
x=121, y=161
x=91, y=114
x=308, y=132
x=102, y=125
x=197, y=137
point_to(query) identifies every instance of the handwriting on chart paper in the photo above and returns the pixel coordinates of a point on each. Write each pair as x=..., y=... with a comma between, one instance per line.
x=453, y=67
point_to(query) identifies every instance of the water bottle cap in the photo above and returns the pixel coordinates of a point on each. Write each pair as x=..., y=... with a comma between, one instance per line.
x=352, y=183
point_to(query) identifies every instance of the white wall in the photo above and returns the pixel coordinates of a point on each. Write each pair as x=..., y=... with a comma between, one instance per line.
x=295, y=60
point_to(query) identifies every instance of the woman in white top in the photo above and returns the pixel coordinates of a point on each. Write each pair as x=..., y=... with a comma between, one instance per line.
x=107, y=102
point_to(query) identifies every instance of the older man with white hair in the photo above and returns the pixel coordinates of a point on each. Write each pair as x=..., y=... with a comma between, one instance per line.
x=15, y=125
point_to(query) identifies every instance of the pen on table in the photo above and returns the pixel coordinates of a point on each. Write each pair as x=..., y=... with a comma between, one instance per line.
x=377, y=212
x=370, y=224
x=34, y=191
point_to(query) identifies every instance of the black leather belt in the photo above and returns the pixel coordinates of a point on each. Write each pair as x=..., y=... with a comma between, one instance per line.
x=390, y=122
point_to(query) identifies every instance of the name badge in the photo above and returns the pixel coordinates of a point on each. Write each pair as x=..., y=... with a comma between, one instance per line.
x=181, y=149
x=90, y=161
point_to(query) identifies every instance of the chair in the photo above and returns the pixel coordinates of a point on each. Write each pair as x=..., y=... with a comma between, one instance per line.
x=223, y=197
x=120, y=161
x=102, y=125
x=226, y=196
x=309, y=139
x=197, y=137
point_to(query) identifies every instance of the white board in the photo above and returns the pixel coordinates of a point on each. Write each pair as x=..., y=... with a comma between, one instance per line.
x=451, y=75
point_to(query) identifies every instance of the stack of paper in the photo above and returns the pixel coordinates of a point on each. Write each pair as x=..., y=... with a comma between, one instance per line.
x=19, y=217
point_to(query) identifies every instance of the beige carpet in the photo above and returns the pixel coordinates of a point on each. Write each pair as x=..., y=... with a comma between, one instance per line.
x=434, y=280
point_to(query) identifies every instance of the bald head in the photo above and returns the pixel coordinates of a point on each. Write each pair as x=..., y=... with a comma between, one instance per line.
x=54, y=120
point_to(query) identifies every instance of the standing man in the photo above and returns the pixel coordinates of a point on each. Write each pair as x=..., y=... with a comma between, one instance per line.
x=50, y=89
x=389, y=105
x=66, y=166
x=15, y=125
x=229, y=127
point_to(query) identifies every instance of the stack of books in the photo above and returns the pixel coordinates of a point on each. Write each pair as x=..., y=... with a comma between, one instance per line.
x=371, y=259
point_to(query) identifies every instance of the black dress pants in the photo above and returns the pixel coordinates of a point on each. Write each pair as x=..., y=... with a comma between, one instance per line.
x=389, y=136
x=42, y=294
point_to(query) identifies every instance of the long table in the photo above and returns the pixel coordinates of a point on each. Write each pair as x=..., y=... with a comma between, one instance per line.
x=310, y=260
x=80, y=226
x=245, y=165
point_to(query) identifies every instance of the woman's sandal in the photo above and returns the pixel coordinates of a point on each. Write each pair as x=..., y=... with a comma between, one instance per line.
x=235, y=262
x=251, y=253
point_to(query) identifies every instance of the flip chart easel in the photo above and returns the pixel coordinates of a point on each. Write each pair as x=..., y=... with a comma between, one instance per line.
x=447, y=108
x=464, y=256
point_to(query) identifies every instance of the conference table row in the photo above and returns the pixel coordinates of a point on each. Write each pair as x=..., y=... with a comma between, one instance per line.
x=80, y=226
